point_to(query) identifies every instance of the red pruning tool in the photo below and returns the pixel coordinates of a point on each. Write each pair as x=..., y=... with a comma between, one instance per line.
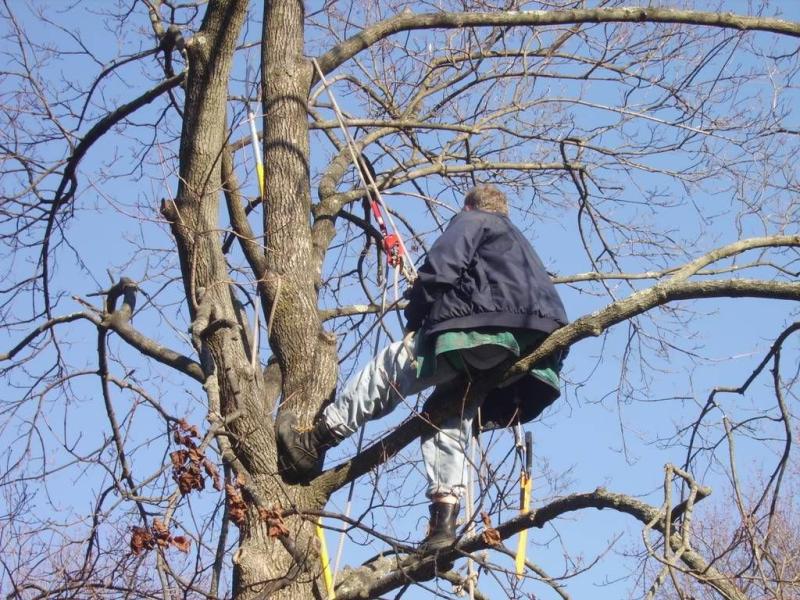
x=392, y=245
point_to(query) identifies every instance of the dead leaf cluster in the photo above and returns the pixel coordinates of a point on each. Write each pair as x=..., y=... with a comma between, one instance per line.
x=237, y=509
x=189, y=463
x=144, y=539
x=490, y=535
x=276, y=526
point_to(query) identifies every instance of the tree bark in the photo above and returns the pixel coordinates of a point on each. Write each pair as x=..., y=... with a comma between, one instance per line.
x=279, y=562
x=286, y=566
x=236, y=388
x=307, y=354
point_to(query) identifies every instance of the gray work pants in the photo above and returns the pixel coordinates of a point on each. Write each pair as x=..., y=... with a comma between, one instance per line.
x=382, y=385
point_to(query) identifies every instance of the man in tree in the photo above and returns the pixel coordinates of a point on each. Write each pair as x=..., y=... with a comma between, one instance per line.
x=482, y=296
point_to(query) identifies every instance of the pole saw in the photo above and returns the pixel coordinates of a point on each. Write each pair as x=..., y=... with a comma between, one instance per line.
x=255, y=143
x=525, y=484
x=393, y=245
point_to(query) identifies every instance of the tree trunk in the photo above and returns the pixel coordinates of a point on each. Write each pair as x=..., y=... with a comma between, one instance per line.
x=305, y=353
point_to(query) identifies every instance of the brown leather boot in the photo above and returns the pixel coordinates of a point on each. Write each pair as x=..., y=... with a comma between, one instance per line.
x=441, y=527
x=301, y=454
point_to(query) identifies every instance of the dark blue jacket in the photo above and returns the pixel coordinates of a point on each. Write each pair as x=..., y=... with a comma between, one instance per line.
x=482, y=272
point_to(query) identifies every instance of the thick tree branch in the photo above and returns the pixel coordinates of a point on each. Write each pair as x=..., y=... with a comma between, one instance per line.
x=119, y=322
x=586, y=326
x=537, y=18
x=378, y=578
x=123, y=328
x=658, y=295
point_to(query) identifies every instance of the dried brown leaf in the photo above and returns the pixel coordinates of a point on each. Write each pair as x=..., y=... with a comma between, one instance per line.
x=182, y=543
x=491, y=537
x=265, y=514
x=178, y=458
x=160, y=533
x=213, y=472
x=192, y=430
x=141, y=540
x=276, y=526
x=190, y=479
x=237, y=509
x=195, y=455
x=486, y=519
x=159, y=528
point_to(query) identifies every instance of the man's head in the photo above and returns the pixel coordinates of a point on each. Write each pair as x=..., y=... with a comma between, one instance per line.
x=486, y=197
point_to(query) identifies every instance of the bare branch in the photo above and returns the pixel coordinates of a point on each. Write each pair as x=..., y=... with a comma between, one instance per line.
x=377, y=579
x=409, y=22
x=560, y=340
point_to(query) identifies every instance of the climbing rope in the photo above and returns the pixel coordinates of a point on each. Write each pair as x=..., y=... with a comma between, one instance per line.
x=392, y=241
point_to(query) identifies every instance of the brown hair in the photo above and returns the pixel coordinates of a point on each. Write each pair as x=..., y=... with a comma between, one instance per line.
x=487, y=197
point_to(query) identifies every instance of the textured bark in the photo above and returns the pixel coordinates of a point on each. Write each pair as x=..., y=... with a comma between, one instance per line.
x=194, y=219
x=288, y=281
x=235, y=388
x=306, y=355
x=475, y=102
x=300, y=344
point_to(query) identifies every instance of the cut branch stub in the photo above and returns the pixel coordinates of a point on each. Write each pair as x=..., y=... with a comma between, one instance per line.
x=127, y=288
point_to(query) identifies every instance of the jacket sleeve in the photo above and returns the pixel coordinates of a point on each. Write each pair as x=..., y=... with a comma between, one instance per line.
x=447, y=259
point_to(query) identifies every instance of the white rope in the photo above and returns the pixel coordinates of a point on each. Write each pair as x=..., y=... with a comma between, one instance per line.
x=472, y=576
x=364, y=174
x=349, y=504
x=409, y=270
